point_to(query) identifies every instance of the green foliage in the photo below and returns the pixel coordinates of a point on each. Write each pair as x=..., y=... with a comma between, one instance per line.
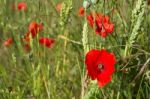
x=93, y=91
x=65, y=12
x=60, y=72
x=137, y=19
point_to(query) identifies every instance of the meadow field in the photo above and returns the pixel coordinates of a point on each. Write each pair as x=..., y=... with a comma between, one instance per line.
x=74, y=49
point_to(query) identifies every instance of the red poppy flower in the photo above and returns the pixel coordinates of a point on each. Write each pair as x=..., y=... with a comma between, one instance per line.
x=22, y=6
x=46, y=41
x=8, y=42
x=100, y=66
x=26, y=37
x=58, y=7
x=103, y=26
x=34, y=28
x=81, y=11
x=90, y=20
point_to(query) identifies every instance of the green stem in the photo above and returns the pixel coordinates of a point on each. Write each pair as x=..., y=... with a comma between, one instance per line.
x=125, y=51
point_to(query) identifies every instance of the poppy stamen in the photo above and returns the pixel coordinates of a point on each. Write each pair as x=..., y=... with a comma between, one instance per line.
x=100, y=66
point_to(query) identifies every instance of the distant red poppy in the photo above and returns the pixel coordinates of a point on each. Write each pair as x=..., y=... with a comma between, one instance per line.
x=103, y=26
x=48, y=42
x=34, y=28
x=81, y=11
x=22, y=6
x=8, y=42
x=100, y=65
x=58, y=7
x=26, y=37
x=90, y=20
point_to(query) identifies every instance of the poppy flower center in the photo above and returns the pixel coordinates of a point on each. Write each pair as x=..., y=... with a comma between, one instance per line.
x=100, y=66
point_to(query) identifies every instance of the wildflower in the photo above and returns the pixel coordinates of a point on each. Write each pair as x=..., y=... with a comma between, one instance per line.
x=59, y=7
x=22, y=6
x=46, y=41
x=81, y=11
x=26, y=37
x=100, y=65
x=103, y=26
x=8, y=42
x=34, y=28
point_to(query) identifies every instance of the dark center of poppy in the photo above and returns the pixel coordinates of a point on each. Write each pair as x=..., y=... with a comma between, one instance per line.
x=100, y=66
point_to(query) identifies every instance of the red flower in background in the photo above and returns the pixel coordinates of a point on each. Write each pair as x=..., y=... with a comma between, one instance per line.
x=34, y=28
x=103, y=26
x=22, y=6
x=58, y=7
x=26, y=37
x=90, y=20
x=100, y=66
x=8, y=42
x=81, y=11
x=48, y=42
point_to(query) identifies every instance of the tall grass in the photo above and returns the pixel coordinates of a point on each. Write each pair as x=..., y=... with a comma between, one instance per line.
x=60, y=72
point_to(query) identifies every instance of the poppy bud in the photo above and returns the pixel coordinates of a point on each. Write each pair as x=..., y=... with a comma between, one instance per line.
x=22, y=6
x=8, y=42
